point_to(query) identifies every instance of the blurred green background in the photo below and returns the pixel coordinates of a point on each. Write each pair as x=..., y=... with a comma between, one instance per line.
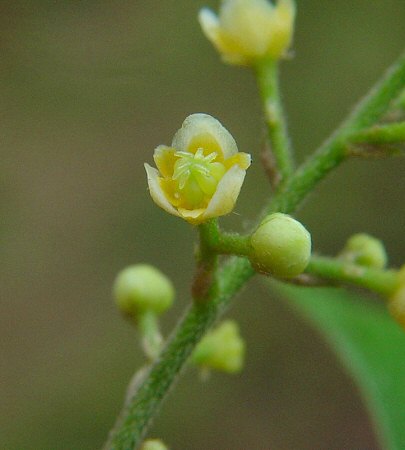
x=88, y=89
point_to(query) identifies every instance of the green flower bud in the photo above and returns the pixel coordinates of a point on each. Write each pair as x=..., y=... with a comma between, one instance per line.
x=153, y=444
x=142, y=288
x=281, y=246
x=365, y=250
x=222, y=349
x=396, y=304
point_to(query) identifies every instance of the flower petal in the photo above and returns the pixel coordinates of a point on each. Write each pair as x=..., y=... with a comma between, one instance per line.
x=204, y=128
x=156, y=191
x=164, y=159
x=193, y=216
x=282, y=28
x=226, y=194
x=209, y=23
x=243, y=160
x=248, y=24
x=227, y=46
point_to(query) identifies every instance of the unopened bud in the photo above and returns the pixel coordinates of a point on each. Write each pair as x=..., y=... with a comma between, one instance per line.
x=153, y=444
x=222, y=349
x=281, y=246
x=143, y=288
x=365, y=250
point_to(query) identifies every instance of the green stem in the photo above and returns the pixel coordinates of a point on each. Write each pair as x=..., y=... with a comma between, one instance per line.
x=208, y=232
x=268, y=82
x=221, y=243
x=232, y=244
x=151, y=338
x=383, y=282
x=333, y=151
x=145, y=404
x=207, y=262
x=381, y=134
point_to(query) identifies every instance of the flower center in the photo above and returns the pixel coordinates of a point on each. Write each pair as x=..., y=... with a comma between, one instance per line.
x=196, y=177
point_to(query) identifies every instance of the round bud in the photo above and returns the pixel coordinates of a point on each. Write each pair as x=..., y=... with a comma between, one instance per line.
x=153, y=444
x=365, y=250
x=281, y=246
x=222, y=349
x=142, y=288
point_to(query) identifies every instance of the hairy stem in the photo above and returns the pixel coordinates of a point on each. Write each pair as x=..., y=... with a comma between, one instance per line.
x=218, y=242
x=207, y=262
x=268, y=82
x=381, y=134
x=383, y=282
x=148, y=325
x=333, y=151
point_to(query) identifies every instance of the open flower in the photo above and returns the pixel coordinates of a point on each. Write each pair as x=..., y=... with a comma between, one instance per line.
x=249, y=30
x=201, y=174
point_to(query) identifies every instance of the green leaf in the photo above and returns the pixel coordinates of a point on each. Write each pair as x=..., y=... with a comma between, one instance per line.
x=370, y=345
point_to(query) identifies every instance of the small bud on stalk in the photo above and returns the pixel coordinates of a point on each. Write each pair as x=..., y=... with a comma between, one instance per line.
x=142, y=288
x=365, y=250
x=281, y=246
x=153, y=444
x=222, y=349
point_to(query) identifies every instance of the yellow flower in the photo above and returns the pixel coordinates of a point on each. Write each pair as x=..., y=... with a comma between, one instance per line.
x=248, y=30
x=201, y=174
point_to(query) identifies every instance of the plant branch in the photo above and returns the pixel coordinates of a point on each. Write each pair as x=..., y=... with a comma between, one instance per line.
x=383, y=282
x=268, y=82
x=207, y=261
x=333, y=151
x=381, y=134
x=219, y=242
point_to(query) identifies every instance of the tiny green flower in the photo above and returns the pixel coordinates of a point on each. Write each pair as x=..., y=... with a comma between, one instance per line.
x=201, y=174
x=222, y=349
x=153, y=444
x=281, y=246
x=246, y=31
x=365, y=250
x=141, y=289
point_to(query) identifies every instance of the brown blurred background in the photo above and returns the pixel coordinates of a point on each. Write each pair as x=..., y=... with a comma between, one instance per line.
x=87, y=90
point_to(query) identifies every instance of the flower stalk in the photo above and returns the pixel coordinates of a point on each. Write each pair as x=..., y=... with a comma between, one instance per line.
x=383, y=282
x=334, y=150
x=267, y=75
